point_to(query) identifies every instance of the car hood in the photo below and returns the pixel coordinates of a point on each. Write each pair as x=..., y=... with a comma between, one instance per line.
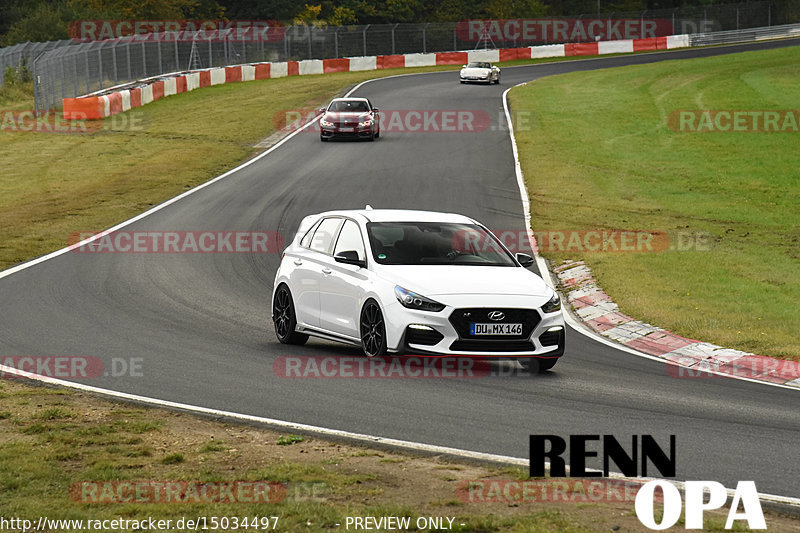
x=474, y=71
x=332, y=116
x=439, y=280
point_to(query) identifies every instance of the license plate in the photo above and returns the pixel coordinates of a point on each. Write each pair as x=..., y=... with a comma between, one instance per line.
x=495, y=329
x=347, y=129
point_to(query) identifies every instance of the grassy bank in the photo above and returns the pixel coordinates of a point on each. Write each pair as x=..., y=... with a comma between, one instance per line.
x=53, y=439
x=607, y=152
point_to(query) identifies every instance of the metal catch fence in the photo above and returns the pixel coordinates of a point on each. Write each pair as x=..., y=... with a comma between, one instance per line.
x=24, y=54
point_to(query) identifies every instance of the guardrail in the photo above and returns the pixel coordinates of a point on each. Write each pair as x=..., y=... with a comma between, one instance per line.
x=744, y=36
x=105, y=103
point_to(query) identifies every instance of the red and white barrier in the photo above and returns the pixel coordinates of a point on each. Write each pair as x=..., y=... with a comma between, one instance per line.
x=102, y=106
x=548, y=50
x=420, y=60
x=364, y=63
x=615, y=47
x=492, y=56
x=310, y=66
x=677, y=41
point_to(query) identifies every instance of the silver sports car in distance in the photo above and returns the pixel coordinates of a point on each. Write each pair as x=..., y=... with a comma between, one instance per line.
x=480, y=71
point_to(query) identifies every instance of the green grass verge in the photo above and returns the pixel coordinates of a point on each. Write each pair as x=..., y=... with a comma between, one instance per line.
x=601, y=155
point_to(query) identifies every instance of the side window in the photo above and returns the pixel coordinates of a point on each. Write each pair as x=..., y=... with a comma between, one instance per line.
x=350, y=239
x=323, y=236
x=306, y=240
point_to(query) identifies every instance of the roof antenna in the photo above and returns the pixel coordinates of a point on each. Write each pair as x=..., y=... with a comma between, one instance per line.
x=368, y=207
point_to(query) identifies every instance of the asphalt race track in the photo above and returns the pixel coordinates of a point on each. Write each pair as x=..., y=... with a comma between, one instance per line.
x=201, y=322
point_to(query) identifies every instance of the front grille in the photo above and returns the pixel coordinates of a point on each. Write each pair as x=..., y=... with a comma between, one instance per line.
x=424, y=337
x=499, y=345
x=462, y=318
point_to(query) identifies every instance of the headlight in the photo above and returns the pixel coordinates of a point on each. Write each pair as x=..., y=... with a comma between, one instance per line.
x=365, y=124
x=412, y=300
x=326, y=123
x=553, y=305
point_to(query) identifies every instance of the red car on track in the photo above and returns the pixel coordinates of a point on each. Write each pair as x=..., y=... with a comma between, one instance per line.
x=353, y=118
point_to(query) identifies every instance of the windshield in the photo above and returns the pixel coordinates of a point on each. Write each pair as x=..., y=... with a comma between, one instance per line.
x=477, y=64
x=349, y=106
x=427, y=243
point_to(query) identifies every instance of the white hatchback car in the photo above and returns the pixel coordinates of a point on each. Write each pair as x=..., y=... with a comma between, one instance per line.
x=414, y=282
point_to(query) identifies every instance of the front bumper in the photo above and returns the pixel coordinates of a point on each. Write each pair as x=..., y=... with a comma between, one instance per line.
x=443, y=334
x=336, y=132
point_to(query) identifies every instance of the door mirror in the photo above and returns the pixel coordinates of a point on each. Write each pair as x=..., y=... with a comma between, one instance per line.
x=375, y=109
x=524, y=260
x=349, y=257
x=321, y=111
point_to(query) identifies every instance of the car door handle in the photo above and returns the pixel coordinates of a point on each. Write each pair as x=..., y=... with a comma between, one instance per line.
x=298, y=262
x=326, y=271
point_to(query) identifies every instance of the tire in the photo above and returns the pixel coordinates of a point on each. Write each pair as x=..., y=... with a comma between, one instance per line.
x=535, y=365
x=284, y=317
x=378, y=134
x=373, y=330
x=497, y=81
x=371, y=137
x=323, y=139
